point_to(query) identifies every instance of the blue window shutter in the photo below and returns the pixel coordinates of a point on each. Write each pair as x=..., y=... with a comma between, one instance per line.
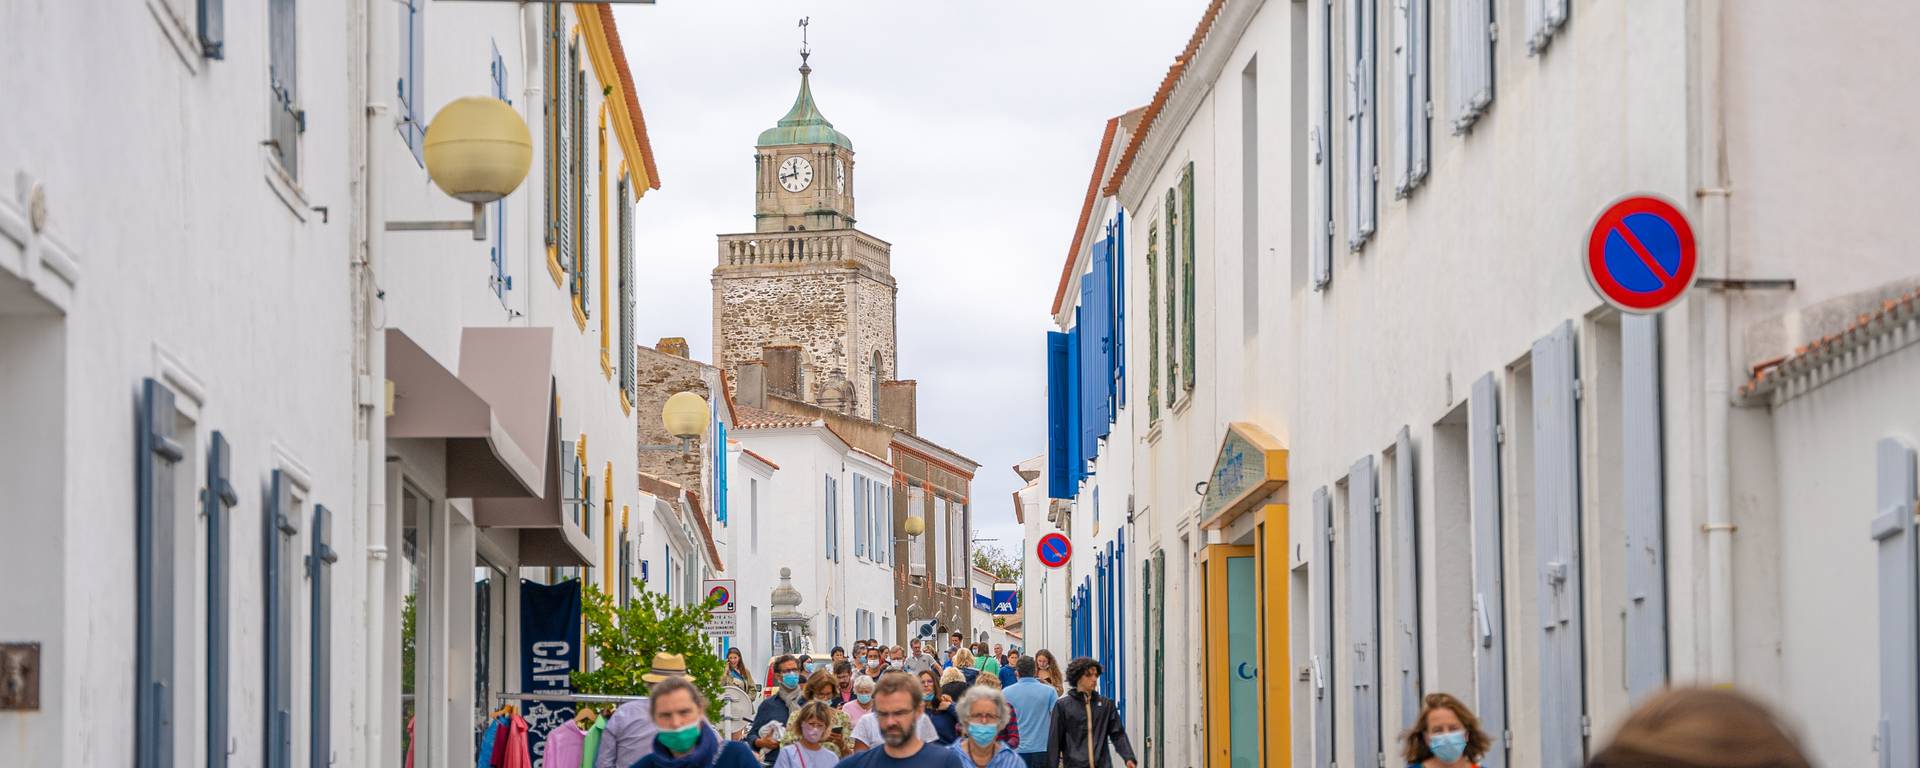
x=413, y=56
x=1059, y=484
x=157, y=453
x=859, y=524
x=1118, y=263
x=1092, y=392
x=320, y=572
x=218, y=502
x=1406, y=590
x=1320, y=615
x=720, y=464
x=1076, y=457
x=213, y=28
x=284, y=83
x=1556, y=467
x=501, y=282
x=1644, y=491
x=279, y=576
x=1894, y=540
x=1102, y=380
x=1489, y=605
x=1363, y=609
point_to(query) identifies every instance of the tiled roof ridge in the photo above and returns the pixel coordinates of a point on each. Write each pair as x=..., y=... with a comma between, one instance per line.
x=632, y=99
x=1867, y=325
x=1086, y=210
x=1160, y=96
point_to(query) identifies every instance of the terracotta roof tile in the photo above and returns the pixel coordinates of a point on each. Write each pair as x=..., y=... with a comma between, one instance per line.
x=633, y=100
x=1160, y=96
x=1767, y=373
x=759, y=458
x=749, y=417
x=1086, y=212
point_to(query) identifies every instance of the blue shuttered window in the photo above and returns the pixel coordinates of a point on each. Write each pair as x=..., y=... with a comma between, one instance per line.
x=1059, y=484
x=218, y=503
x=1320, y=618
x=157, y=453
x=1489, y=605
x=1117, y=293
x=1076, y=429
x=278, y=532
x=1556, y=467
x=320, y=688
x=1100, y=346
x=1406, y=584
x=1470, y=62
x=413, y=66
x=1894, y=536
x=212, y=15
x=499, y=281
x=1644, y=493
x=1363, y=610
x=1361, y=150
x=285, y=116
x=1319, y=147
x=1411, y=113
x=721, y=473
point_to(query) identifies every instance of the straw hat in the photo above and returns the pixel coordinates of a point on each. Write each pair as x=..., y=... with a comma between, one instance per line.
x=665, y=665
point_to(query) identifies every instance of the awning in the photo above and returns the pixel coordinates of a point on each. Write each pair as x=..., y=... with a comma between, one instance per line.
x=1251, y=464
x=484, y=457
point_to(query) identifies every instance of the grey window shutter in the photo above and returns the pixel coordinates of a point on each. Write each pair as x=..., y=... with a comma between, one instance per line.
x=1412, y=41
x=157, y=453
x=563, y=122
x=1894, y=540
x=1556, y=495
x=1489, y=607
x=1361, y=150
x=1406, y=582
x=1320, y=142
x=859, y=525
x=1363, y=610
x=583, y=218
x=283, y=78
x=417, y=79
x=1643, y=494
x=213, y=28
x=550, y=106
x=278, y=529
x=1320, y=613
x=218, y=501
x=320, y=572
x=628, y=375
x=1544, y=19
x=1470, y=62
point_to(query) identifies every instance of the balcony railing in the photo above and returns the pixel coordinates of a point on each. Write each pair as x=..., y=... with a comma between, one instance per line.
x=770, y=248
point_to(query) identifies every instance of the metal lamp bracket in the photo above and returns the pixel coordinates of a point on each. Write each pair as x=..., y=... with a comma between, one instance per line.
x=478, y=225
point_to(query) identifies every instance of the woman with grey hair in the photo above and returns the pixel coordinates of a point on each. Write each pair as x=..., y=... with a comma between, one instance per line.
x=984, y=711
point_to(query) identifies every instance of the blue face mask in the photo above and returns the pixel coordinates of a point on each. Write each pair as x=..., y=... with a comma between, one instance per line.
x=789, y=679
x=926, y=697
x=982, y=735
x=1448, y=746
x=865, y=698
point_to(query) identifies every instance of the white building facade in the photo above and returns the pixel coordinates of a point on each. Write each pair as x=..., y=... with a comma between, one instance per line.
x=1411, y=450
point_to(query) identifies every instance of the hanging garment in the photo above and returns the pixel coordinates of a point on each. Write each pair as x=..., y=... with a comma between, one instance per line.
x=515, y=744
x=488, y=735
x=590, y=749
x=564, y=744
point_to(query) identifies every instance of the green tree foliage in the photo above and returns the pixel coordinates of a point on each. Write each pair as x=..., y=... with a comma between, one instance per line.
x=1003, y=566
x=625, y=638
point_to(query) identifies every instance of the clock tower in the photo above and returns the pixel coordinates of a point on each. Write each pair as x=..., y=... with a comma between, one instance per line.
x=805, y=281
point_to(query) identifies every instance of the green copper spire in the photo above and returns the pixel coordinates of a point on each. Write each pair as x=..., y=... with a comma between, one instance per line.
x=803, y=124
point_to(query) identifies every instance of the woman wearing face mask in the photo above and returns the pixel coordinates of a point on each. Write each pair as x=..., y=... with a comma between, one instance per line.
x=823, y=689
x=809, y=750
x=984, y=712
x=682, y=738
x=1446, y=735
x=856, y=708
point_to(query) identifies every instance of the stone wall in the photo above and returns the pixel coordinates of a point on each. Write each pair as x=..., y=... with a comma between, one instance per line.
x=661, y=376
x=838, y=315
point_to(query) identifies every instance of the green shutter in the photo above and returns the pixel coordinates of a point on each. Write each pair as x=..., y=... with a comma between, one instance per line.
x=1153, y=323
x=1186, y=278
x=1173, y=288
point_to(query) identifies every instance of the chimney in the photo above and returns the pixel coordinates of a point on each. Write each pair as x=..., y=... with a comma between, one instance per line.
x=751, y=387
x=673, y=345
x=897, y=403
x=783, y=368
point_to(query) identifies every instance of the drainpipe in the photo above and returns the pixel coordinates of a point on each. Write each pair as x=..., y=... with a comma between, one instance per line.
x=532, y=18
x=1712, y=194
x=372, y=381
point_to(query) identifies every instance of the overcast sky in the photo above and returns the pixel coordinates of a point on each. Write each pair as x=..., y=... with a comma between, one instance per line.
x=975, y=125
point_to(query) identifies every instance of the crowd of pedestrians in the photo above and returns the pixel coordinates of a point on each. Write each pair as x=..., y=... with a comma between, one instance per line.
x=988, y=707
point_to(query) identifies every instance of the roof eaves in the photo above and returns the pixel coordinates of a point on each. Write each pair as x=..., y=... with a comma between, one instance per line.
x=1160, y=96
x=632, y=99
x=1770, y=374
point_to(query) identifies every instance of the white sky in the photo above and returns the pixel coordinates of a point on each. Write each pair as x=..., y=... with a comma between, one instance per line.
x=975, y=125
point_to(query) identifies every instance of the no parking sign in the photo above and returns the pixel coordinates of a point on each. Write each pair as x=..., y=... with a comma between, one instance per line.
x=1054, y=550
x=1640, y=254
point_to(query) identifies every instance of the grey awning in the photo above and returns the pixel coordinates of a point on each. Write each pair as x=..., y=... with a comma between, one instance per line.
x=484, y=458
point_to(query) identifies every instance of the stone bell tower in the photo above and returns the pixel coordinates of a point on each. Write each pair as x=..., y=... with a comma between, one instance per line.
x=805, y=281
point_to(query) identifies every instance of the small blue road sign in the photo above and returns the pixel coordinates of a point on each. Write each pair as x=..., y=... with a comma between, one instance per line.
x=1640, y=254
x=1054, y=550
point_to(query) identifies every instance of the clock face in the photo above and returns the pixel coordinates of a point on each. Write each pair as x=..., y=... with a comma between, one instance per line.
x=839, y=176
x=796, y=174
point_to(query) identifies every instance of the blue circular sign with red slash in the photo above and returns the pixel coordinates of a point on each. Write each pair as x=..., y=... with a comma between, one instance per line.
x=1640, y=254
x=1054, y=550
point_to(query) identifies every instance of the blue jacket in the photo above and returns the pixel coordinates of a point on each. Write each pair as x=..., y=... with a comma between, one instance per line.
x=709, y=751
x=1003, y=756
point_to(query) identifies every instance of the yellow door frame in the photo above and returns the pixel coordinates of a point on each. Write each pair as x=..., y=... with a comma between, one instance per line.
x=1219, y=672
x=1276, y=691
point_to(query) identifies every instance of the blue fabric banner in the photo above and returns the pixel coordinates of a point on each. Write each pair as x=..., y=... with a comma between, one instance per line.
x=549, y=653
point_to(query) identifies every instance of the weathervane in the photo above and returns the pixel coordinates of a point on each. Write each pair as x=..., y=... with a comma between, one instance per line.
x=804, y=50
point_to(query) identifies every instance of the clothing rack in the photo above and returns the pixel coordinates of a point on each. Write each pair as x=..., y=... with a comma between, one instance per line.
x=505, y=696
